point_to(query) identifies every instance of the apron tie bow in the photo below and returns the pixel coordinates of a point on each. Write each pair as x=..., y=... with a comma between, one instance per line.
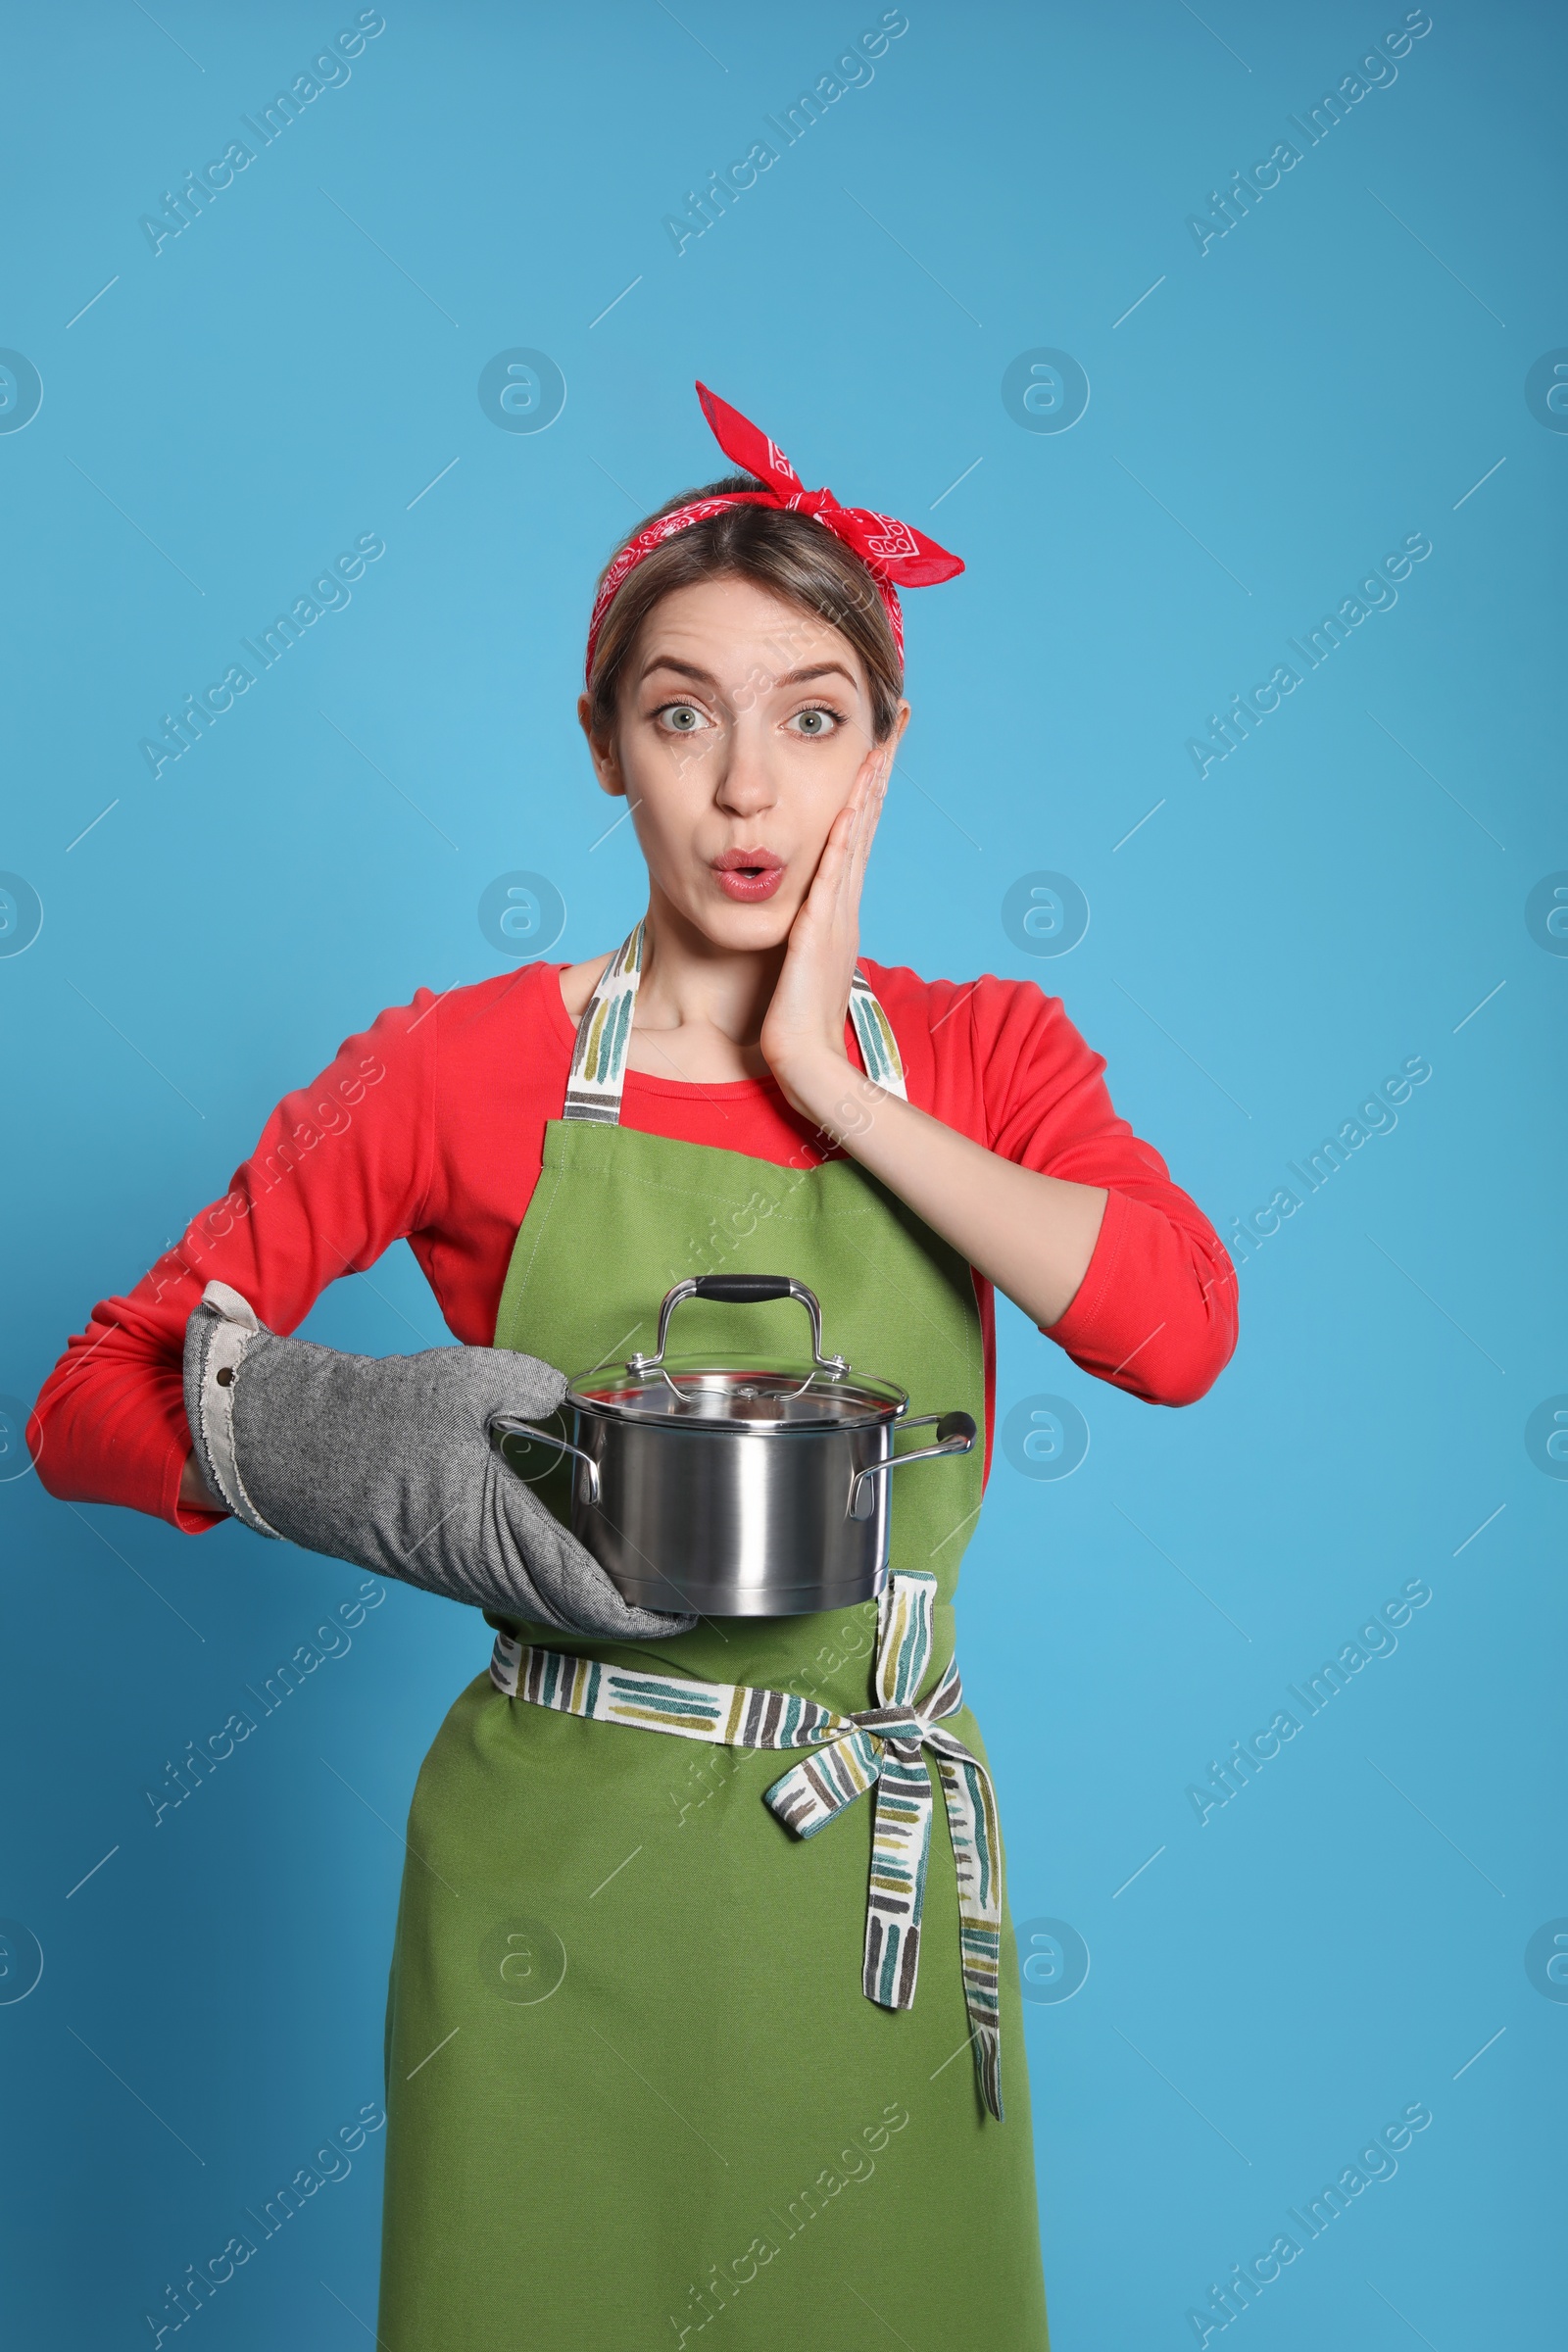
x=881, y=1748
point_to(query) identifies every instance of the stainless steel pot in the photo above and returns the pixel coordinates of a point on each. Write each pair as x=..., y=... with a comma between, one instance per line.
x=753, y=1489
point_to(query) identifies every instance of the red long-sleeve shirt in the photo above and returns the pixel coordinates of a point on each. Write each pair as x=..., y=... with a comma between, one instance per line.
x=429, y=1126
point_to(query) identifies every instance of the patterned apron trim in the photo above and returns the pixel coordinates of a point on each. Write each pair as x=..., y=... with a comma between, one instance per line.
x=603, y=1034
x=880, y=1747
x=879, y=1048
x=599, y=1059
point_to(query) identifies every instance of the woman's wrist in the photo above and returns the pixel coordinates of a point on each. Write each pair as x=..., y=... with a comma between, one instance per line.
x=824, y=1087
x=195, y=1494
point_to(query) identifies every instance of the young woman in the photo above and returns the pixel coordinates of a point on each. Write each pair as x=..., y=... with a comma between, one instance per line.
x=656, y=2064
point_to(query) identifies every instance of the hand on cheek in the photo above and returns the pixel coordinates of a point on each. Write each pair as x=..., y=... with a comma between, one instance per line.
x=803, y=1036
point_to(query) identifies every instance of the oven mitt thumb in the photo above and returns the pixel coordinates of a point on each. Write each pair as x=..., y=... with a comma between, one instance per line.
x=387, y=1462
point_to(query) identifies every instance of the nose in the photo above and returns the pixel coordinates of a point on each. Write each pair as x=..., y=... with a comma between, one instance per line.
x=744, y=785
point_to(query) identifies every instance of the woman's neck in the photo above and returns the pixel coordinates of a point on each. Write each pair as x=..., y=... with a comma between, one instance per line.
x=700, y=1007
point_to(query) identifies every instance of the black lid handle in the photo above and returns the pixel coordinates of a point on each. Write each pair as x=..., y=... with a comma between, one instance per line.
x=742, y=1290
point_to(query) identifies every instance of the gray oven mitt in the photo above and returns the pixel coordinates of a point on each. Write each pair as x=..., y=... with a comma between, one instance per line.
x=388, y=1462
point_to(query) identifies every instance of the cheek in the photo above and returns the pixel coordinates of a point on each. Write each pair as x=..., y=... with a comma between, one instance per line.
x=836, y=773
x=668, y=788
x=644, y=769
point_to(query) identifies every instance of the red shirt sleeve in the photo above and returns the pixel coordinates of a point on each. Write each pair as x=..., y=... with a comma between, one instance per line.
x=429, y=1126
x=1156, y=1312
x=308, y=1205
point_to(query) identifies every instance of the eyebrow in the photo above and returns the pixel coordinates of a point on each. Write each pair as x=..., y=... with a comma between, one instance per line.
x=788, y=678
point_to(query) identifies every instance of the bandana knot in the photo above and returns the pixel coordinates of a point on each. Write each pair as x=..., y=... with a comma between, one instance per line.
x=894, y=553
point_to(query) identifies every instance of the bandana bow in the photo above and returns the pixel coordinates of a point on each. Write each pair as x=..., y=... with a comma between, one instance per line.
x=895, y=555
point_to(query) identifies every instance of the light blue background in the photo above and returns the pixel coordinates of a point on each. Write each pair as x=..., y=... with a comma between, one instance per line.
x=1277, y=414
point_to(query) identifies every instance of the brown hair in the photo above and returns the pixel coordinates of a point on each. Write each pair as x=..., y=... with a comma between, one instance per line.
x=788, y=553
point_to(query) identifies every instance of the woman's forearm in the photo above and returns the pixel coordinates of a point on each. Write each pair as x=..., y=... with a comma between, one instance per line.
x=195, y=1494
x=1031, y=1235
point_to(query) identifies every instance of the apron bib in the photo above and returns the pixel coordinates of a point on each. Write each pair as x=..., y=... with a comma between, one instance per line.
x=635, y=2086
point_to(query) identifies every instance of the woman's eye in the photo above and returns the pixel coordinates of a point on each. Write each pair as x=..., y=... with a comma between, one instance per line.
x=681, y=719
x=815, y=722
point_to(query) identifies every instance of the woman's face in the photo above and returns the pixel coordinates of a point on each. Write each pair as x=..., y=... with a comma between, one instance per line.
x=744, y=722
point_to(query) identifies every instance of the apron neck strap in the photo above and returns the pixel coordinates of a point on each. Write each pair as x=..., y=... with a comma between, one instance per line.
x=598, y=1071
x=599, y=1059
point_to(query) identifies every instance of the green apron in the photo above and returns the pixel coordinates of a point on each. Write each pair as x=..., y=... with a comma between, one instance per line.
x=635, y=2089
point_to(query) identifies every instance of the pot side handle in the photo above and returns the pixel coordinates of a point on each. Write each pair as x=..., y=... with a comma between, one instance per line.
x=508, y=1425
x=955, y=1434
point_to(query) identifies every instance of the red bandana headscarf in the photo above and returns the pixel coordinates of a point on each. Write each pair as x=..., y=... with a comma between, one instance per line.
x=894, y=556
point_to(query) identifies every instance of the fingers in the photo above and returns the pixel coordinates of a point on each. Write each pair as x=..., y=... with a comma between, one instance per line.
x=869, y=814
x=827, y=881
x=827, y=924
x=834, y=897
x=865, y=804
x=853, y=824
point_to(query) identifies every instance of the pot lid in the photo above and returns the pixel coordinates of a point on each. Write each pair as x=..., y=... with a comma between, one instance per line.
x=762, y=1395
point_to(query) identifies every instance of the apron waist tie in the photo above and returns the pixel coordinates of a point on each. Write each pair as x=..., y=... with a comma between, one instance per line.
x=880, y=1747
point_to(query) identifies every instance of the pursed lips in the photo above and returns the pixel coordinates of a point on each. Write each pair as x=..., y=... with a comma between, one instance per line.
x=748, y=875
